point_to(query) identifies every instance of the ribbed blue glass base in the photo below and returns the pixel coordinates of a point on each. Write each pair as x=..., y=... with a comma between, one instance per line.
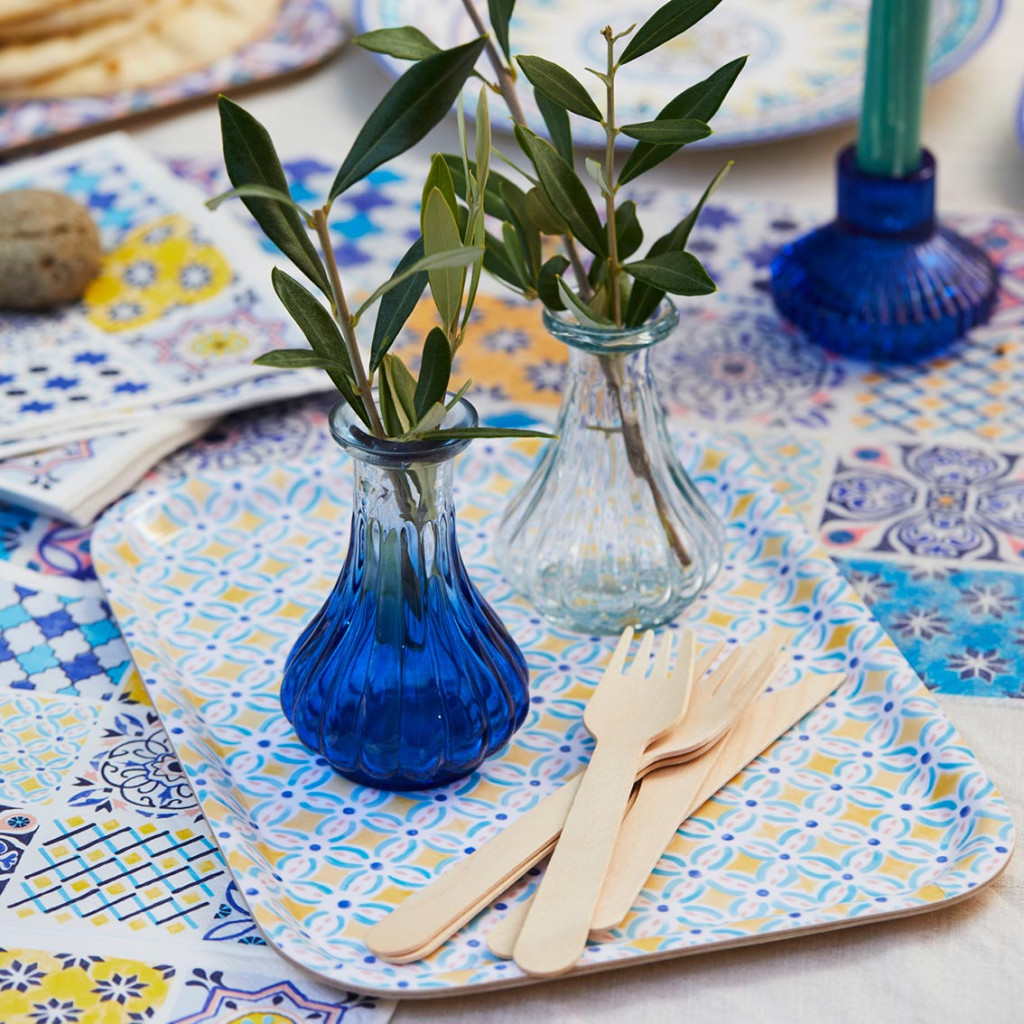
x=883, y=281
x=406, y=678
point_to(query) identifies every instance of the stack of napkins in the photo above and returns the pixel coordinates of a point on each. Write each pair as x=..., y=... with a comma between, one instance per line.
x=162, y=343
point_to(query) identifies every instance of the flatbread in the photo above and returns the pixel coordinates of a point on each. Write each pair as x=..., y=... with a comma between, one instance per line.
x=69, y=18
x=12, y=9
x=191, y=35
x=27, y=62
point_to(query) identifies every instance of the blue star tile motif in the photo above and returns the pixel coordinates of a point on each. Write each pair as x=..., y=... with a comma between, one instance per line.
x=36, y=406
x=356, y=227
x=128, y=387
x=64, y=383
x=92, y=358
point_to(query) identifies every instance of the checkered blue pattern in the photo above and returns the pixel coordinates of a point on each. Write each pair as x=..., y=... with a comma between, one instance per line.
x=66, y=645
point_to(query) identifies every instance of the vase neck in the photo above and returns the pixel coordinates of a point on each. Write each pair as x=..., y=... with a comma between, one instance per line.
x=402, y=494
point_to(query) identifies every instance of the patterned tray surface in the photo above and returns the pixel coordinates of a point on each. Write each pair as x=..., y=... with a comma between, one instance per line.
x=804, y=73
x=872, y=807
x=305, y=33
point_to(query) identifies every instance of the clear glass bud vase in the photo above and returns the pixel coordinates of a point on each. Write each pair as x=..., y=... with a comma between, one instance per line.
x=406, y=678
x=609, y=530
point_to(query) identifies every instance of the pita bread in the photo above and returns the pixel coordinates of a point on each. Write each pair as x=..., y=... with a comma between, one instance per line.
x=13, y=9
x=73, y=17
x=26, y=62
x=182, y=37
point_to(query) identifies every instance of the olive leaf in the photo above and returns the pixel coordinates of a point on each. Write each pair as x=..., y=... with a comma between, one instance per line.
x=564, y=191
x=441, y=234
x=251, y=159
x=404, y=43
x=500, y=14
x=627, y=229
x=680, y=273
x=547, y=282
x=559, y=86
x=298, y=359
x=584, y=313
x=670, y=131
x=412, y=106
x=699, y=102
x=260, y=192
x=556, y=120
x=498, y=263
x=526, y=230
x=396, y=305
x=435, y=372
x=322, y=333
x=397, y=390
x=439, y=177
x=664, y=24
x=644, y=299
x=542, y=214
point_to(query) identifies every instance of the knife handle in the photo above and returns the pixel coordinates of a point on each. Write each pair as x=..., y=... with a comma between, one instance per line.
x=426, y=918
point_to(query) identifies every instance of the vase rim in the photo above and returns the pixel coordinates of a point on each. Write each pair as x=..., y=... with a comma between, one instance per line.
x=662, y=322
x=348, y=431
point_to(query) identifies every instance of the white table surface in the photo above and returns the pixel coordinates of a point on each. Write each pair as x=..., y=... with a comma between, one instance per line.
x=962, y=964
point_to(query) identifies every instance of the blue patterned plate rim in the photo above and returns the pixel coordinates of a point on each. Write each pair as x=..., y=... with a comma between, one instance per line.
x=142, y=547
x=979, y=18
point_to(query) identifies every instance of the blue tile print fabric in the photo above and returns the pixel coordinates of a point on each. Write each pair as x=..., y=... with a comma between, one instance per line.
x=961, y=629
x=59, y=644
x=740, y=370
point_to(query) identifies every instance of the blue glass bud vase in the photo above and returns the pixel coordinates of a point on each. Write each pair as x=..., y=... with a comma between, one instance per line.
x=406, y=678
x=884, y=281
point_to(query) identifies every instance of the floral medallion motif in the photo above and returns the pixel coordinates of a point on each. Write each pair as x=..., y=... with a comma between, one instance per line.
x=137, y=770
x=928, y=501
x=746, y=367
x=159, y=267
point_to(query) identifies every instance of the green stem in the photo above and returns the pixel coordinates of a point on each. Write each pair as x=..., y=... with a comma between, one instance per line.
x=577, y=267
x=506, y=79
x=636, y=453
x=609, y=173
x=344, y=320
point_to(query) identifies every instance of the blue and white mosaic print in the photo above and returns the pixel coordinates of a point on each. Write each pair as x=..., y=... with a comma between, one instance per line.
x=59, y=644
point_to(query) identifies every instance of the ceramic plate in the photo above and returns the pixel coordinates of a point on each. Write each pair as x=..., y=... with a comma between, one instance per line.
x=306, y=32
x=871, y=808
x=804, y=73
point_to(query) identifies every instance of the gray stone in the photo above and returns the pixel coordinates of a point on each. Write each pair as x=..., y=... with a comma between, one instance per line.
x=49, y=249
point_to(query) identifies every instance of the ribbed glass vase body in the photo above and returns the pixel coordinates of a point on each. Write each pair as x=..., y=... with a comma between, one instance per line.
x=406, y=678
x=609, y=530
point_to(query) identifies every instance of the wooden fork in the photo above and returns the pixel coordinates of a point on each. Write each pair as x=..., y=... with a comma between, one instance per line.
x=630, y=709
x=432, y=914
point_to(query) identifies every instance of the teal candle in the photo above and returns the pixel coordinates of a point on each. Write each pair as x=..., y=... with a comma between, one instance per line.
x=889, y=143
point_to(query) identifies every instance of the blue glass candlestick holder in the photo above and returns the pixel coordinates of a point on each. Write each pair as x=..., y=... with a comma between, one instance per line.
x=884, y=281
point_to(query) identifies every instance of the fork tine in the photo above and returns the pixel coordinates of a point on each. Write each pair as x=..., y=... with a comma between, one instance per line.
x=618, y=658
x=724, y=671
x=663, y=657
x=707, y=659
x=644, y=652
